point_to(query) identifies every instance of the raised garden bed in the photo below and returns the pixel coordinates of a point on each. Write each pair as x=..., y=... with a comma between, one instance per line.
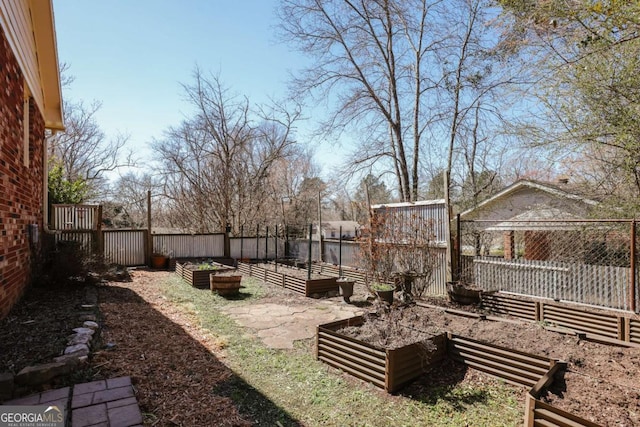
x=292, y=278
x=597, y=324
x=390, y=369
x=538, y=413
x=197, y=275
x=381, y=365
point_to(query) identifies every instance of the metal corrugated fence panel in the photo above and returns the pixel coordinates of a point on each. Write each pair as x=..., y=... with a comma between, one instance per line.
x=245, y=247
x=125, y=247
x=299, y=249
x=350, y=252
x=437, y=284
x=433, y=215
x=190, y=245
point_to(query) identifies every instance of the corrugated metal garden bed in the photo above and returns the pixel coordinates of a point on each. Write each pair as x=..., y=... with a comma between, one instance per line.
x=292, y=278
x=389, y=369
x=598, y=324
x=197, y=274
x=392, y=369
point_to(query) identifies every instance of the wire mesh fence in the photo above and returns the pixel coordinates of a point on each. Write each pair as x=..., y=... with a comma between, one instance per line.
x=590, y=262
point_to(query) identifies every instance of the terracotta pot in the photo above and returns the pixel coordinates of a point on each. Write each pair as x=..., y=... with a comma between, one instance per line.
x=225, y=285
x=159, y=261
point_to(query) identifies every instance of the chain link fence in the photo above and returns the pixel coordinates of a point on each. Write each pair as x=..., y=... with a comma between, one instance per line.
x=589, y=262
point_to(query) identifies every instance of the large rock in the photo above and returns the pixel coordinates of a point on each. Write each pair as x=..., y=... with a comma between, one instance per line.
x=77, y=349
x=71, y=359
x=79, y=339
x=40, y=374
x=90, y=324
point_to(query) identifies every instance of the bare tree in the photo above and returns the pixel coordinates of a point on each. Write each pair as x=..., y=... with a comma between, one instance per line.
x=83, y=151
x=216, y=163
x=407, y=74
x=377, y=54
x=585, y=57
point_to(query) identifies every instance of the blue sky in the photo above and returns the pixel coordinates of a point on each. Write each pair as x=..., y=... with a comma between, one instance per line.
x=132, y=55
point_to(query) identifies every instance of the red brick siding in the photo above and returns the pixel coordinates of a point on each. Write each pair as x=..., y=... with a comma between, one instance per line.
x=20, y=186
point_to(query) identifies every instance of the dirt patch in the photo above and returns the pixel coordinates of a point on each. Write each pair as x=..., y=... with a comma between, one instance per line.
x=293, y=271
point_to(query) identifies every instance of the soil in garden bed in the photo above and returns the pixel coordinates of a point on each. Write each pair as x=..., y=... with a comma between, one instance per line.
x=391, y=329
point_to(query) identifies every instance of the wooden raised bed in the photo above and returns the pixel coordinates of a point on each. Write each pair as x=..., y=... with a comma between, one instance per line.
x=389, y=369
x=306, y=287
x=196, y=277
x=225, y=285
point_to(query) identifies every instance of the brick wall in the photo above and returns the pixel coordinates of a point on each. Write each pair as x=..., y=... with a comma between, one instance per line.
x=20, y=186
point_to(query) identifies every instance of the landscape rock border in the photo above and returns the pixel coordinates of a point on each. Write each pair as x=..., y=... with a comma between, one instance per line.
x=75, y=355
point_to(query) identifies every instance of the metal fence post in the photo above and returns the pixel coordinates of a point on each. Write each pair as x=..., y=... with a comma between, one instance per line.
x=632, y=265
x=340, y=253
x=266, y=245
x=309, y=254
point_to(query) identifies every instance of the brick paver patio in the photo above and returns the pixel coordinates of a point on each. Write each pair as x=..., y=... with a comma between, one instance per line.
x=104, y=403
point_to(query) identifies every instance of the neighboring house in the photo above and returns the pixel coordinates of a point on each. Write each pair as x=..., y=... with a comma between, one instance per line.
x=528, y=206
x=533, y=200
x=542, y=240
x=331, y=229
x=30, y=102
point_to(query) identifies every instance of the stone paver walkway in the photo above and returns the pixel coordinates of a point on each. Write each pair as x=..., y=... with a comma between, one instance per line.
x=104, y=403
x=279, y=325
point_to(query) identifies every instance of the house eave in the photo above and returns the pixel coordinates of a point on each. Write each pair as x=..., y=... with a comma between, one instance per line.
x=44, y=34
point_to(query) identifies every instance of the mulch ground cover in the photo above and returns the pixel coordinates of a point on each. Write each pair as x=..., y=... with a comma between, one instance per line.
x=36, y=329
x=181, y=378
